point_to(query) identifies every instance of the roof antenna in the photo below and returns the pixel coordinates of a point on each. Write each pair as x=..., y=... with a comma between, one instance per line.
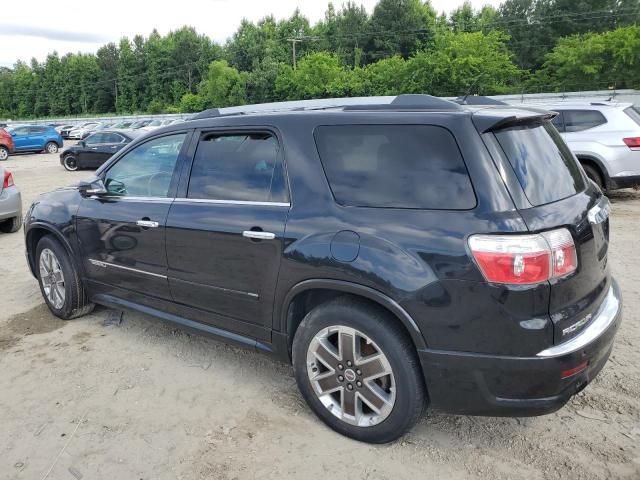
x=471, y=87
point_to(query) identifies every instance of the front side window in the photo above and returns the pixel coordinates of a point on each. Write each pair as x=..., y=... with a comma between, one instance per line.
x=395, y=166
x=147, y=170
x=238, y=167
x=579, y=120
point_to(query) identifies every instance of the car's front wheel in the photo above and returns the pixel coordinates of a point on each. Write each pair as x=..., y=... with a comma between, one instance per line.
x=70, y=163
x=51, y=147
x=59, y=281
x=358, y=370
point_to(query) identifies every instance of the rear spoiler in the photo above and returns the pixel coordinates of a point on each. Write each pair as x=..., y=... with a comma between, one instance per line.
x=492, y=119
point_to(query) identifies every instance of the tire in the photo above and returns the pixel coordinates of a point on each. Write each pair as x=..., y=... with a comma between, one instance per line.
x=4, y=153
x=51, y=147
x=65, y=277
x=70, y=163
x=403, y=390
x=11, y=225
x=595, y=176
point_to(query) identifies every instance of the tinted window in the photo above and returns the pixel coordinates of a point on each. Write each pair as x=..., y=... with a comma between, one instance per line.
x=579, y=120
x=19, y=131
x=111, y=138
x=558, y=122
x=634, y=113
x=401, y=166
x=545, y=167
x=145, y=171
x=243, y=167
x=35, y=130
x=94, y=139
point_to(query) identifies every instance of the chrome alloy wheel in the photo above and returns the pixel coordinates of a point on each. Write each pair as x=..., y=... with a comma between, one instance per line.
x=351, y=376
x=52, y=148
x=52, y=278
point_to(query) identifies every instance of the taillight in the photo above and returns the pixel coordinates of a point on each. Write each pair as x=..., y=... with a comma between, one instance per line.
x=525, y=259
x=633, y=143
x=8, y=179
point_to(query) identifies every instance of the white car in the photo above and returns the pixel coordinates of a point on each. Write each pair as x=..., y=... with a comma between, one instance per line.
x=605, y=137
x=83, y=130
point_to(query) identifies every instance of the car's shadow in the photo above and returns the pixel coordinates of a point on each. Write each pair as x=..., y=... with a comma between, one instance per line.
x=626, y=195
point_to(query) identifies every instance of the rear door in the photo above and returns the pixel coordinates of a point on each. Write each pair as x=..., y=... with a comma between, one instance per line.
x=37, y=137
x=552, y=191
x=225, y=233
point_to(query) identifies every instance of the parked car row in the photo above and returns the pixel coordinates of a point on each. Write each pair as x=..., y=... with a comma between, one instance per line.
x=82, y=130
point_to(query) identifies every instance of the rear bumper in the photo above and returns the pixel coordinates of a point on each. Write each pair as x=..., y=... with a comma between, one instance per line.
x=625, y=181
x=476, y=384
x=10, y=203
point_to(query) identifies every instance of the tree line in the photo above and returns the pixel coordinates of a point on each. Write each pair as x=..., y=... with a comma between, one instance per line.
x=403, y=46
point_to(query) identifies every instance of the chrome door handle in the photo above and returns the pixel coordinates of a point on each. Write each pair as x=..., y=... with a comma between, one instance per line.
x=147, y=224
x=258, y=235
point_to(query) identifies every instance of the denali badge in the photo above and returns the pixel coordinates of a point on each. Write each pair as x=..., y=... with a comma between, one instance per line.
x=577, y=325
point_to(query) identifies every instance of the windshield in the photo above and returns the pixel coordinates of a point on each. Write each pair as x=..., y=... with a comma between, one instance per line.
x=542, y=162
x=634, y=113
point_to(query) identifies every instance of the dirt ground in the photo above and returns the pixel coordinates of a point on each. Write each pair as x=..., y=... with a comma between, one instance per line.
x=143, y=400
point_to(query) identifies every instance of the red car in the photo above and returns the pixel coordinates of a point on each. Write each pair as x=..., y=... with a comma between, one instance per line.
x=6, y=144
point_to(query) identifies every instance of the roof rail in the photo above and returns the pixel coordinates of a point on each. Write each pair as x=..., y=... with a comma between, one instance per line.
x=399, y=102
x=478, y=100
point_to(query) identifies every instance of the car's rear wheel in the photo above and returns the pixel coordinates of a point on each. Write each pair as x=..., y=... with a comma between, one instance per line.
x=358, y=370
x=594, y=175
x=4, y=153
x=59, y=281
x=51, y=147
x=70, y=163
x=12, y=225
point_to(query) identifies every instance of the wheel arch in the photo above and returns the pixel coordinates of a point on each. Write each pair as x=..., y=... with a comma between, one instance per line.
x=308, y=294
x=596, y=163
x=32, y=237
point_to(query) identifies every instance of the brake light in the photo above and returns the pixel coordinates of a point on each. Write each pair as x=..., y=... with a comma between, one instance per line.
x=8, y=179
x=525, y=259
x=633, y=143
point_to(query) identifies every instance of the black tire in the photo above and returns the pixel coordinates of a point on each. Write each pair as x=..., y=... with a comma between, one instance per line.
x=595, y=176
x=70, y=163
x=51, y=147
x=75, y=302
x=385, y=331
x=4, y=153
x=11, y=225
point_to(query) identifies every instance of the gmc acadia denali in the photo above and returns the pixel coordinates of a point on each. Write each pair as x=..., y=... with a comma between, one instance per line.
x=399, y=251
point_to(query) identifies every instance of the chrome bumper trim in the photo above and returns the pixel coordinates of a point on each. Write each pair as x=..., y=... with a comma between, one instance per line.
x=604, y=317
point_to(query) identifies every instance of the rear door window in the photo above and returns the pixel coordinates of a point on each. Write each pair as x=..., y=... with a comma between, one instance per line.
x=579, y=120
x=543, y=164
x=395, y=166
x=244, y=167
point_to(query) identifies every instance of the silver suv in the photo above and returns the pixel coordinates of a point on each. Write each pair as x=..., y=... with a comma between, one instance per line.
x=605, y=137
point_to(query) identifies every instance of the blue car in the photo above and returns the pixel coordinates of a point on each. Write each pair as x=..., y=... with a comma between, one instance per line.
x=35, y=138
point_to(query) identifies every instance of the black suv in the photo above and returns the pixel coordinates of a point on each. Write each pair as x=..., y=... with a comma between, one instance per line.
x=398, y=251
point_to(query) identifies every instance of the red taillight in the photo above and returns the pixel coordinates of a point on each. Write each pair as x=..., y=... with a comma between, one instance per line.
x=525, y=259
x=574, y=371
x=633, y=143
x=8, y=179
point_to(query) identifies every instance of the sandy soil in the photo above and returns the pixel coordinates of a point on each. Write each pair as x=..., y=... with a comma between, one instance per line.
x=142, y=400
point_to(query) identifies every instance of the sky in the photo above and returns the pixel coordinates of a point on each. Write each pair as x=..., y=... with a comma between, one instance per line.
x=34, y=28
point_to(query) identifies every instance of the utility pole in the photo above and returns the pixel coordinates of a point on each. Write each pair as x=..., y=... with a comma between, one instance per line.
x=293, y=44
x=115, y=83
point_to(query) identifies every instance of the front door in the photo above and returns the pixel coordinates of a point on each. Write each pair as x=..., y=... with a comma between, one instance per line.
x=122, y=234
x=21, y=138
x=225, y=235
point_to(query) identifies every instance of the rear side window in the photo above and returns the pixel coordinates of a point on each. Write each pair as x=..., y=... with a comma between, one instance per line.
x=543, y=163
x=239, y=167
x=634, y=113
x=579, y=120
x=396, y=166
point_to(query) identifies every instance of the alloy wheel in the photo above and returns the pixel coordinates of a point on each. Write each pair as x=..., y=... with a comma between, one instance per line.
x=351, y=376
x=52, y=278
x=70, y=163
x=4, y=154
x=52, y=148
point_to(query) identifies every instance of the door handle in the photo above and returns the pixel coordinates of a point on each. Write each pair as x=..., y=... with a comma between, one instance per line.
x=258, y=235
x=147, y=224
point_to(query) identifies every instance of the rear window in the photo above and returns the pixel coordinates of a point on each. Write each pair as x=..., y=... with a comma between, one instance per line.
x=544, y=165
x=395, y=166
x=634, y=113
x=579, y=120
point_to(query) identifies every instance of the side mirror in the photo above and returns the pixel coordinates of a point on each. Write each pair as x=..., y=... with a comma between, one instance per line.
x=91, y=187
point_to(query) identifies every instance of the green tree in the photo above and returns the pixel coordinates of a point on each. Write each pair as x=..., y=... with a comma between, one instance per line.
x=319, y=75
x=224, y=86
